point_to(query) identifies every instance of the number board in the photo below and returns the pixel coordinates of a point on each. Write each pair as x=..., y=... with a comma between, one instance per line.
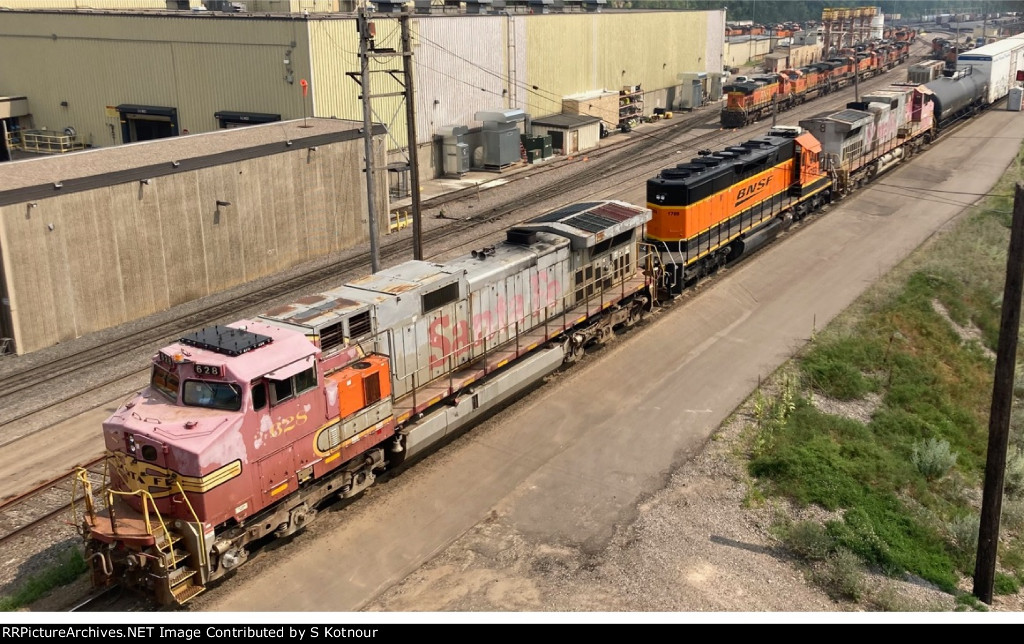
x=206, y=370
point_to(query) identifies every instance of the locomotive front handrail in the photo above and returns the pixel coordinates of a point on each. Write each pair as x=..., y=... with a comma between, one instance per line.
x=82, y=476
x=203, y=550
x=147, y=498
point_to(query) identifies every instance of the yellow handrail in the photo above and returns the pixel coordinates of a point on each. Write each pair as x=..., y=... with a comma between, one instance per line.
x=82, y=476
x=202, y=534
x=147, y=502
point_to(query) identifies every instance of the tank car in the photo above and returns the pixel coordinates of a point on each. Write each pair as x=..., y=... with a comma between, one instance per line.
x=246, y=429
x=958, y=95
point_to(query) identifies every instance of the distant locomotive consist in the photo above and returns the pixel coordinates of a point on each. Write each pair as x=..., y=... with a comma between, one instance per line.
x=758, y=96
x=724, y=204
x=246, y=430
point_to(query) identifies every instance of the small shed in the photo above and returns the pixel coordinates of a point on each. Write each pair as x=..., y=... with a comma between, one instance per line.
x=777, y=61
x=570, y=133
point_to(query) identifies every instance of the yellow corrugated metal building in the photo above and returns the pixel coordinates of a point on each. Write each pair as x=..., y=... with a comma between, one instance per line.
x=116, y=77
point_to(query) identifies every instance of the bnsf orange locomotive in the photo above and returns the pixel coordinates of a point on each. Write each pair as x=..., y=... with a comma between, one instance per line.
x=721, y=205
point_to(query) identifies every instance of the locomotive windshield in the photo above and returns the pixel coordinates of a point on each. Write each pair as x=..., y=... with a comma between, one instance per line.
x=165, y=382
x=214, y=395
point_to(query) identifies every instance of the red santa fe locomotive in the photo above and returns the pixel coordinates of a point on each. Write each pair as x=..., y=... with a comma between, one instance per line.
x=245, y=429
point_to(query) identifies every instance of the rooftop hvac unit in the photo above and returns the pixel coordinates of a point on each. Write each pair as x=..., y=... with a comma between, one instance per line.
x=225, y=5
x=478, y=6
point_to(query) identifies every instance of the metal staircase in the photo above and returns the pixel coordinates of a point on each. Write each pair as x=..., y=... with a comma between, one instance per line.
x=176, y=561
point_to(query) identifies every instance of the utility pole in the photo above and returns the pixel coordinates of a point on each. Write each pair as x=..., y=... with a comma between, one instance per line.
x=410, y=127
x=856, y=78
x=366, y=35
x=1002, y=400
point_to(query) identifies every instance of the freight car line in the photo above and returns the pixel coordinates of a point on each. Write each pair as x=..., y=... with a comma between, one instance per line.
x=630, y=159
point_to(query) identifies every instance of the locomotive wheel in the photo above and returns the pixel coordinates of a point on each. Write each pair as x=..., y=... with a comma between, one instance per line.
x=573, y=351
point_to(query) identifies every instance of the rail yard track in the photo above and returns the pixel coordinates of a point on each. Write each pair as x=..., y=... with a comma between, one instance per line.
x=44, y=502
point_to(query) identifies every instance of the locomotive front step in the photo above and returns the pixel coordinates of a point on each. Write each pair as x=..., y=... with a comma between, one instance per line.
x=186, y=591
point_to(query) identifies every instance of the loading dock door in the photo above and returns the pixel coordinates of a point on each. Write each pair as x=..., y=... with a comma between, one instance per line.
x=240, y=119
x=147, y=122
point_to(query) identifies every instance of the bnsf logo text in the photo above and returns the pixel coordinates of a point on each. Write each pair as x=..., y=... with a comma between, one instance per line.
x=748, y=192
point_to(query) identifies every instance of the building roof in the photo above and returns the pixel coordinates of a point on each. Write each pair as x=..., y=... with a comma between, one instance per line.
x=566, y=120
x=76, y=171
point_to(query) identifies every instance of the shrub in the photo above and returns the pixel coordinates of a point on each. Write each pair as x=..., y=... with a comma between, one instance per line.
x=1013, y=483
x=1013, y=513
x=963, y=533
x=933, y=457
x=967, y=601
x=888, y=600
x=809, y=540
x=841, y=575
x=1005, y=585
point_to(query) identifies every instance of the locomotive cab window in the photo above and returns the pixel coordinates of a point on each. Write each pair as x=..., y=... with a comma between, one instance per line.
x=259, y=395
x=288, y=388
x=212, y=395
x=165, y=382
x=281, y=390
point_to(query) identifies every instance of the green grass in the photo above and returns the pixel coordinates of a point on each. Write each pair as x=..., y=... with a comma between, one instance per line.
x=70, y=567
x=907, y=482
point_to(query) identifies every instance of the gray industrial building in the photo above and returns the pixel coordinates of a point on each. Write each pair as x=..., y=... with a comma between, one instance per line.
x=93, y=239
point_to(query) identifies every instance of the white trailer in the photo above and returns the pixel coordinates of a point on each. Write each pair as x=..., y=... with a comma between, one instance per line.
x=998, y=62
